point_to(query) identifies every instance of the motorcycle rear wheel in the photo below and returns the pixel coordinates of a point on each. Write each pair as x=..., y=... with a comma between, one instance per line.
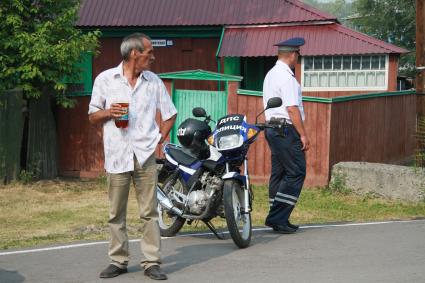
x=238, y=223
x=169, y=223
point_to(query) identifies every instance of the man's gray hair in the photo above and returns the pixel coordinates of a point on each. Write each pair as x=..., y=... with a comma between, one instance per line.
x=132, y=41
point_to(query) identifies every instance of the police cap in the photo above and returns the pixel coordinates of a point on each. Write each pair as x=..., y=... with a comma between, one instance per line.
x=290, y=45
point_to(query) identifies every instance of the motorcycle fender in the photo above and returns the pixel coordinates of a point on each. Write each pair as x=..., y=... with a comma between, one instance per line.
x=235, y=175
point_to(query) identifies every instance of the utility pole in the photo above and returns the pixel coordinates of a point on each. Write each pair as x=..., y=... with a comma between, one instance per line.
x=420, y=57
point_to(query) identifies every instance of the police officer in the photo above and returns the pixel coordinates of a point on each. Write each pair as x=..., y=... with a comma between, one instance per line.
x=288, y=140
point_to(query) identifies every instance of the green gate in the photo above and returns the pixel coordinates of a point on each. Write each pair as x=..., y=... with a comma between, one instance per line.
x=214, y=102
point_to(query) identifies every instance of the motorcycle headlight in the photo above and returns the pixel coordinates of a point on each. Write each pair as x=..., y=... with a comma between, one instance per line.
x=230, y=141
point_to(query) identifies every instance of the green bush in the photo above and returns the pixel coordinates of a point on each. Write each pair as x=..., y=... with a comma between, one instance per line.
x=338, y=184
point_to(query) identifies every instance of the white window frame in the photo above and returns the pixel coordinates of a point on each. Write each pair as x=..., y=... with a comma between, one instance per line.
x=361, y=88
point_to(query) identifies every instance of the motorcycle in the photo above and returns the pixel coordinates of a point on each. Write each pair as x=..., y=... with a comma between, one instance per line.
x=200, y=181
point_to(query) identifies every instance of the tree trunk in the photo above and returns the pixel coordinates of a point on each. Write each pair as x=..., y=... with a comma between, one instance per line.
x=42, y=151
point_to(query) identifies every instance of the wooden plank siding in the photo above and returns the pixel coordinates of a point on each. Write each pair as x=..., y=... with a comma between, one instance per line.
x=185, y=54
x=373, y=130
x=317, y=125
x=80, y=143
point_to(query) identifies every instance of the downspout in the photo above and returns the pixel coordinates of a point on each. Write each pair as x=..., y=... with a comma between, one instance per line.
x=216, y=55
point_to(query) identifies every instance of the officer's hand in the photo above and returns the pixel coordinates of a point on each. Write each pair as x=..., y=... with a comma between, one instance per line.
x=306, y=143
x=116, y=110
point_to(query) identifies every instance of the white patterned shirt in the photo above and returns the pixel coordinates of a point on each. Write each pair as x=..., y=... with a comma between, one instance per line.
x=142, y=135
x=280, y=82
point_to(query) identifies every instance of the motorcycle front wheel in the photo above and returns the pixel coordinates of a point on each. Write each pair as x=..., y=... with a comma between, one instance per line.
x=169, y=223
x=238, y=222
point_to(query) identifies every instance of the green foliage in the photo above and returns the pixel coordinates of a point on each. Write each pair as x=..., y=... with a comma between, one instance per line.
x=338, y=184
x=26, y=177
x=339, y=8
x=393, y=21
x=39, y=46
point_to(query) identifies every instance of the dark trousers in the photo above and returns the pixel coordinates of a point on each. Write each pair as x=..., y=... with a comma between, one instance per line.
x=288, y=173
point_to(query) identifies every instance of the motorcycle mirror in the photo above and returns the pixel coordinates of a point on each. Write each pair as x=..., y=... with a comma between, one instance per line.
x=271, y=103
x=199, y=112
x=274, y=102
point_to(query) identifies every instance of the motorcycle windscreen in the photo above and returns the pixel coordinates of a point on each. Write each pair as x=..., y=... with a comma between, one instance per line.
x=230, y=132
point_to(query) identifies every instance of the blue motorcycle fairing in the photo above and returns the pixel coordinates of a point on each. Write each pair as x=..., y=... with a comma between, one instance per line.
x=186, y=164
x=233, y=124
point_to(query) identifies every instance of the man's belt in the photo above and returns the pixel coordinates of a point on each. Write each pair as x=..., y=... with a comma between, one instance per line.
x=282, y=122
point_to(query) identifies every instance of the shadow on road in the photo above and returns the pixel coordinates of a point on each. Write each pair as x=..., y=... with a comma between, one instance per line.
x=191, y=255
x=11, y=276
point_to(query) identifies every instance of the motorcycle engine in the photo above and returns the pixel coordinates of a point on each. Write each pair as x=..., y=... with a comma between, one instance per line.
x=197, y=200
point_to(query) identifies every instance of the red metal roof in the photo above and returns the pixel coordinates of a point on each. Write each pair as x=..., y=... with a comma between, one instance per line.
x=329, y=39
x=137, y=13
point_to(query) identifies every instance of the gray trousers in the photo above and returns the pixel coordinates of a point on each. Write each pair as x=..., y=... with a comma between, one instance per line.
x=144, y=179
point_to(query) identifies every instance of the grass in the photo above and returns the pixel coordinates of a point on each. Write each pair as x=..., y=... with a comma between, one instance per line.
x=62, y=211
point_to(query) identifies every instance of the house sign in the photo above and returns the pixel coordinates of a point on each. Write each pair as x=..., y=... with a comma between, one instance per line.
x=161, y=42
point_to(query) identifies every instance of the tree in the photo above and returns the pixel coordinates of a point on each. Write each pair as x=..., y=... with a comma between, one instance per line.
x=39, y=51
x=339, y=8
x=392, y=21
x=39, y=45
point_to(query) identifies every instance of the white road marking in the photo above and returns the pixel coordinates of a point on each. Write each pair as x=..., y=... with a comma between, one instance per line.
x=200, y=234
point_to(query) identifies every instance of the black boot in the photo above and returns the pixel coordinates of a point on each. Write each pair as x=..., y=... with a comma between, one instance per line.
x=112, y=271
x=293, y=226
x=154, y=272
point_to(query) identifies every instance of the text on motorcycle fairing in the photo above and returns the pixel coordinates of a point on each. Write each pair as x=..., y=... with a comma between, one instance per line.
x=231, y=127
x=228, y=119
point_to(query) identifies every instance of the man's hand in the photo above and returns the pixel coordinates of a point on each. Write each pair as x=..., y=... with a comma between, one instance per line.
x=295, y=115
x=116, y=111
x=102, y=116
x=306, y=142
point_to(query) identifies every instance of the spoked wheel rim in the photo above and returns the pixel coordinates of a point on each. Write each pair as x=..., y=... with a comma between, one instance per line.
x=242, y=220
x=167, y=219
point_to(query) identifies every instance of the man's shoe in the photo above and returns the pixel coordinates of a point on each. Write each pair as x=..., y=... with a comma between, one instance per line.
x=268, y=224
x=112, y=271
x=155, y=273
x=284, y=229
x=293, y=226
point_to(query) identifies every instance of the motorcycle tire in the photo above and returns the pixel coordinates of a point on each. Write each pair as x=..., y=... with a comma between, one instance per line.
x=169, y=223
x=238, y=223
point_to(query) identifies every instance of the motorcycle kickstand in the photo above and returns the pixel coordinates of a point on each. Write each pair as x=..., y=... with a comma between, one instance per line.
x=219, y=235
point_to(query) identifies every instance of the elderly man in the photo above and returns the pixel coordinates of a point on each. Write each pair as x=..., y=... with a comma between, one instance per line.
x=130, y=136
x=288, y=141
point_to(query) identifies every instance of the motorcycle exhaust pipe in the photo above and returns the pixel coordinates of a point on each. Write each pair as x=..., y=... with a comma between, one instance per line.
x=166, y=202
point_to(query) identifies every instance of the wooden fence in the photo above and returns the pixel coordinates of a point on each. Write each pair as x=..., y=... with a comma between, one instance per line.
x=11, y=130
x=375, y=127
x=369, y=127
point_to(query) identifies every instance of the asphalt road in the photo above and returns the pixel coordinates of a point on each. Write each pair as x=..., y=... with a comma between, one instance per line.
x=368, y=252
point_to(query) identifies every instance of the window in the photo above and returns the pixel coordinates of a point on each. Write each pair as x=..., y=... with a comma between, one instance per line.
x=368, y=72
x=82, y=85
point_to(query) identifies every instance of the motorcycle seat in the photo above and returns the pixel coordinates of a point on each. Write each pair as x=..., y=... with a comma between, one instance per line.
x=181, y=157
